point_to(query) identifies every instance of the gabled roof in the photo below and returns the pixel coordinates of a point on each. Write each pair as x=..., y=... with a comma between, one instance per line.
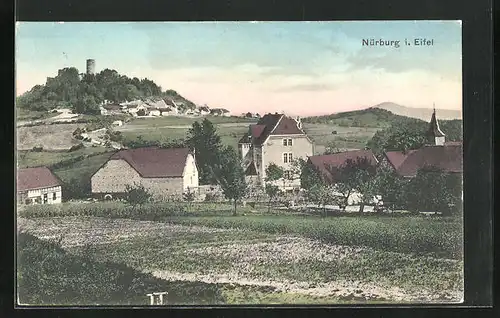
x=449, y=158
x=273, y=124
x=36, y=178
x=322, y=162
x=153, y=162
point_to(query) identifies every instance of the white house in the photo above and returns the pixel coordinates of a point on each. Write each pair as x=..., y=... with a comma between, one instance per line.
x=165, y=173
x=38, y=186
x=277, y=139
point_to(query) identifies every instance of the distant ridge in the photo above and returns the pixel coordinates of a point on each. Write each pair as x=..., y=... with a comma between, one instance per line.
x=420, y=113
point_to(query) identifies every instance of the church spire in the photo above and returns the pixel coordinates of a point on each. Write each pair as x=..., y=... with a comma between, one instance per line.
x=434, y=134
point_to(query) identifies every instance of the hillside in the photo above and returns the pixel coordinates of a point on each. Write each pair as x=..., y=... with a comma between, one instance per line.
x=420, y=113
x=83, y=93
x=371, y=117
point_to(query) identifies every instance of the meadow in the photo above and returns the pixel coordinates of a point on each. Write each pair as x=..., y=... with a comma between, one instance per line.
x=292, y=259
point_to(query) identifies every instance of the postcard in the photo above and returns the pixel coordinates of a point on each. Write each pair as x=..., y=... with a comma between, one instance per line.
x=237, y=163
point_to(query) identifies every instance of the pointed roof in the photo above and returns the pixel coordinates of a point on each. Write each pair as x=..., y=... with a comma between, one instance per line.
x=434, y=130
x=449, y=158
x=273, y=124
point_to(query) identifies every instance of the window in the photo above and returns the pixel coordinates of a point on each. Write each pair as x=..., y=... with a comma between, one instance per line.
x=285, y=158
x=290, y=142
x=287, y=142
x=54, y=196
x=45, y=198
x=290, y=157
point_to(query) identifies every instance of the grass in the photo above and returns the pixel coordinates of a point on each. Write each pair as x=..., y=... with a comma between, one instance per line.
x=30, y=158
x=416, y=235
x=441, y=237
x=82, y=170
x=50, y=137
x=48, y=275
x=181, y=120
x=157, y=246
x=24, y=114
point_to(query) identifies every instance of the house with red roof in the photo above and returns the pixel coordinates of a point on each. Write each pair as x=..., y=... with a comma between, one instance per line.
x=447, y=156
x=275, y=138
x=326, y=165
x=165, y=173
x=38, y=186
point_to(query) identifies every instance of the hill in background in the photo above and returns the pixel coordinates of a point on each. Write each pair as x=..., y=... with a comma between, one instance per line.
x=371, y=117
x=420, y=113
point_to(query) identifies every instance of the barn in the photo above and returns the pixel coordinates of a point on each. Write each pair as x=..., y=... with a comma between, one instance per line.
x=165, y=173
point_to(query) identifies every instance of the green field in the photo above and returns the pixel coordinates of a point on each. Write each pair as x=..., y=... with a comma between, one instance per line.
x=181, y=120
x=288, y=259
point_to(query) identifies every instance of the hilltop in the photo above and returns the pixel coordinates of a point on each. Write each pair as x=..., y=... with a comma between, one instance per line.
x=83, y=93
x=420, y=113
x=371, y=117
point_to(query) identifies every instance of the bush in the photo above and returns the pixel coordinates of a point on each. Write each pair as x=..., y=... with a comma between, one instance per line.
x=137, y=194
x=76, y=147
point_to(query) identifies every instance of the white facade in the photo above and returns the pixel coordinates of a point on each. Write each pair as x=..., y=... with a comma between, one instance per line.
x=50, y=195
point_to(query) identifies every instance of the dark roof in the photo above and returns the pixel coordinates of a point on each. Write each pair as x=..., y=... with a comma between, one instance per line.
x=153, y=162
x=36, y=178
x=204, y=109
x=273, y=124
x=251, y=170
x=449, y=158
x=336, y=160
x=434, y=130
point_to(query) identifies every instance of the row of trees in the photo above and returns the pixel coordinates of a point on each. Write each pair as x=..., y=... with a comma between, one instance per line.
x=409, y=133
x=84, y=94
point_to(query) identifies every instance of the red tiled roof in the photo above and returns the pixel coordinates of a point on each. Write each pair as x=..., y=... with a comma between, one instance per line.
x=36, y=178
x=155, y=162
x=449, y=158
x=321, y=162
x=396, y=158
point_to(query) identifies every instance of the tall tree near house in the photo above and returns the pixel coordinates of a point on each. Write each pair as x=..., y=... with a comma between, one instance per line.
x=322, y=195
x=355, y=176
x=229, y=174
x=391, y=187
x=207, y=143
x=273, y=174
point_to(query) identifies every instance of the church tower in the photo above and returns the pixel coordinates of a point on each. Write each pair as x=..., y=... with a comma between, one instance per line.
x=435, y=136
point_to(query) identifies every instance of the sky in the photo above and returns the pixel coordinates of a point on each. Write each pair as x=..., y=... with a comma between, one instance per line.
x=301, y=68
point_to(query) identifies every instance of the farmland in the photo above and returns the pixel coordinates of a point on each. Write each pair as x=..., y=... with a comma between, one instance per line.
x=50, y=137
x=266, y=258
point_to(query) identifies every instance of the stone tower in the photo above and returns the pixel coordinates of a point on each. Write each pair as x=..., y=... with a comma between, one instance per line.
x=90, y=66
x=435, y=136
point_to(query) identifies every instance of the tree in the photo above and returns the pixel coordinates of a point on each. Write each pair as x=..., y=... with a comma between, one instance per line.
x=189, y=197
x=203, y=138
x=137, y=194
x=86, y=105
x=322, y=195
x=434, y=190
x=354, y=176
x=391, y=187
x=273, y=174
x=230, y=175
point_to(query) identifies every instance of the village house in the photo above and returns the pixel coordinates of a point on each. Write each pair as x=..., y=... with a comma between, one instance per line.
x=204, y=110
x=277, y=139
x=165, y=173
x=447, y=156
x=220, y=112
x=38, y=186
x=110, y=109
